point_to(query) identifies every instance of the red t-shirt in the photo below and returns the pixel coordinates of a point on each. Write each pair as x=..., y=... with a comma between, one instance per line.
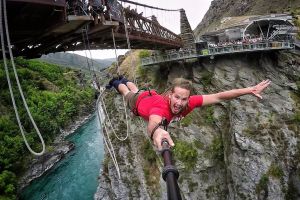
x=159, y=105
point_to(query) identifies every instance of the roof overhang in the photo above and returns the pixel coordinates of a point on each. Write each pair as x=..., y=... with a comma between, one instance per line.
x=278, y=24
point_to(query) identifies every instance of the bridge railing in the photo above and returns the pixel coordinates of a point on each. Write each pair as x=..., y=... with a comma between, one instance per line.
x=211, y=51
x=248, y=47
x=137, y=24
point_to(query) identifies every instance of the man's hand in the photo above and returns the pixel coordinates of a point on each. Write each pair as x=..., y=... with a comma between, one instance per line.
x=159, y=135
x=256, y=90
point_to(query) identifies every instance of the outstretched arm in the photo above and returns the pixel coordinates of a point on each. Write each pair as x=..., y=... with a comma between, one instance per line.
x=231, y=94
x=159, y=133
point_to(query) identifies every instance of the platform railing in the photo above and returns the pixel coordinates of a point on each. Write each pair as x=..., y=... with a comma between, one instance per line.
x=219, y=50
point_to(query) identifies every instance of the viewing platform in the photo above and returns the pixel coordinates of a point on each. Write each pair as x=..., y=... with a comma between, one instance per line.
x=214, y=51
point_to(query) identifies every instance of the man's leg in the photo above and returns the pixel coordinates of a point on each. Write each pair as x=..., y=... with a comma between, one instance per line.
x=123, y=89
x=132, y=87
x=122, y=85
x=128, y=90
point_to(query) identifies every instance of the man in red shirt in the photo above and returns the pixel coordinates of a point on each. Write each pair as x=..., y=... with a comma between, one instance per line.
x=175, y=104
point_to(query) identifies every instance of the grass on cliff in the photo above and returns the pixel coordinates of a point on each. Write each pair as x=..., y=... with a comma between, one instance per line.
x=54, y=96
x=186, y=153
x=200, y=117
x=215, y=150
x=150, y=168
x=274, y=171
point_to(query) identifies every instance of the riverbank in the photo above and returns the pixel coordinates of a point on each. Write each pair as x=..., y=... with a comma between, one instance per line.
x=76, y=175
x=54, y=153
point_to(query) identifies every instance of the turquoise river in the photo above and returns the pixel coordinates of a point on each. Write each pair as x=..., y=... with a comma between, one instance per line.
x=74, y=177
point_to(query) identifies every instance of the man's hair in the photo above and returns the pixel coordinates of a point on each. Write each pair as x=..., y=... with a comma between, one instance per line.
x=182, y=83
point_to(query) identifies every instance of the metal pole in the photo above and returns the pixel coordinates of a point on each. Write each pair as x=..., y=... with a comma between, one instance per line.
x=170, y=174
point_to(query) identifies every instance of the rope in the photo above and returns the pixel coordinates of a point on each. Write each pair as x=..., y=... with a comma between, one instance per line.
x=85, y=47
x=110, y=123
x=115, y=48
x=107, y=141
x=18, y=82
x=91, y=58
x=106, y=137
x=89, y=49
x=124, y=103
x=144, y=5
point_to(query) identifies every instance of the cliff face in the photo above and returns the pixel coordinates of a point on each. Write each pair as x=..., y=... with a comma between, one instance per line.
x=229, y=8
x=240, y=149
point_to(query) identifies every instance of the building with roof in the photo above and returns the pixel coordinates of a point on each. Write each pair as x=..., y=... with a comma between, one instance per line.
x=273, y=27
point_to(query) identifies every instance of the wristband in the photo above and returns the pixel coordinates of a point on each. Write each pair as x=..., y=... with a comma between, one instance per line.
x=153, y=130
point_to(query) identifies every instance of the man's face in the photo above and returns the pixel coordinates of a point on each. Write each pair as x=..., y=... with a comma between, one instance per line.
x=179, y=99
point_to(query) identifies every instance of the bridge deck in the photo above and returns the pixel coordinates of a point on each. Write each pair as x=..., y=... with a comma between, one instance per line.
x=213, y=51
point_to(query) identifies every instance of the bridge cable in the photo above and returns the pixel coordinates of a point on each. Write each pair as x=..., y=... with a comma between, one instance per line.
x=144, y=5
x=4, y=15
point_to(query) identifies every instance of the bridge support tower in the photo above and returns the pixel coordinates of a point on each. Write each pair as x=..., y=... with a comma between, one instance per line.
x=186, y=32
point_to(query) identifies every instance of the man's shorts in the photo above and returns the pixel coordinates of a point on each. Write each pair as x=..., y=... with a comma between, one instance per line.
x=131, y=99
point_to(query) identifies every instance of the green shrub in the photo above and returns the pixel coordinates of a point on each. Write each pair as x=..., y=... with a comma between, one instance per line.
x=262, y=184
x=187, y=120
x=275, y=171
x=7, y=182
x=298, y=86
x=198, y=144
x=148, y=152
x=186, y=153
x=216, y=149
x=144, y=53
x=208, y=115
x=296, y=117
x=142, y=72
x=206, y=78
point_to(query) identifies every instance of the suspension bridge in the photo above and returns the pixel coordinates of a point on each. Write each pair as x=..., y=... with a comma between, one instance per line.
x=39, y=27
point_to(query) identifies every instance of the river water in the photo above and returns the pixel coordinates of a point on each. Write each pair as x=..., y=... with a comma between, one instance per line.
x=75, y=177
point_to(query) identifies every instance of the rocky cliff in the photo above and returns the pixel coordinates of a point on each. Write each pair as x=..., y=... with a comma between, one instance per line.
x=229, y=8
x=240, y=149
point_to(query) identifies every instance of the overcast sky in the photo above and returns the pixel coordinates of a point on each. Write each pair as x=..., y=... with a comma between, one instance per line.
x=194, y=9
